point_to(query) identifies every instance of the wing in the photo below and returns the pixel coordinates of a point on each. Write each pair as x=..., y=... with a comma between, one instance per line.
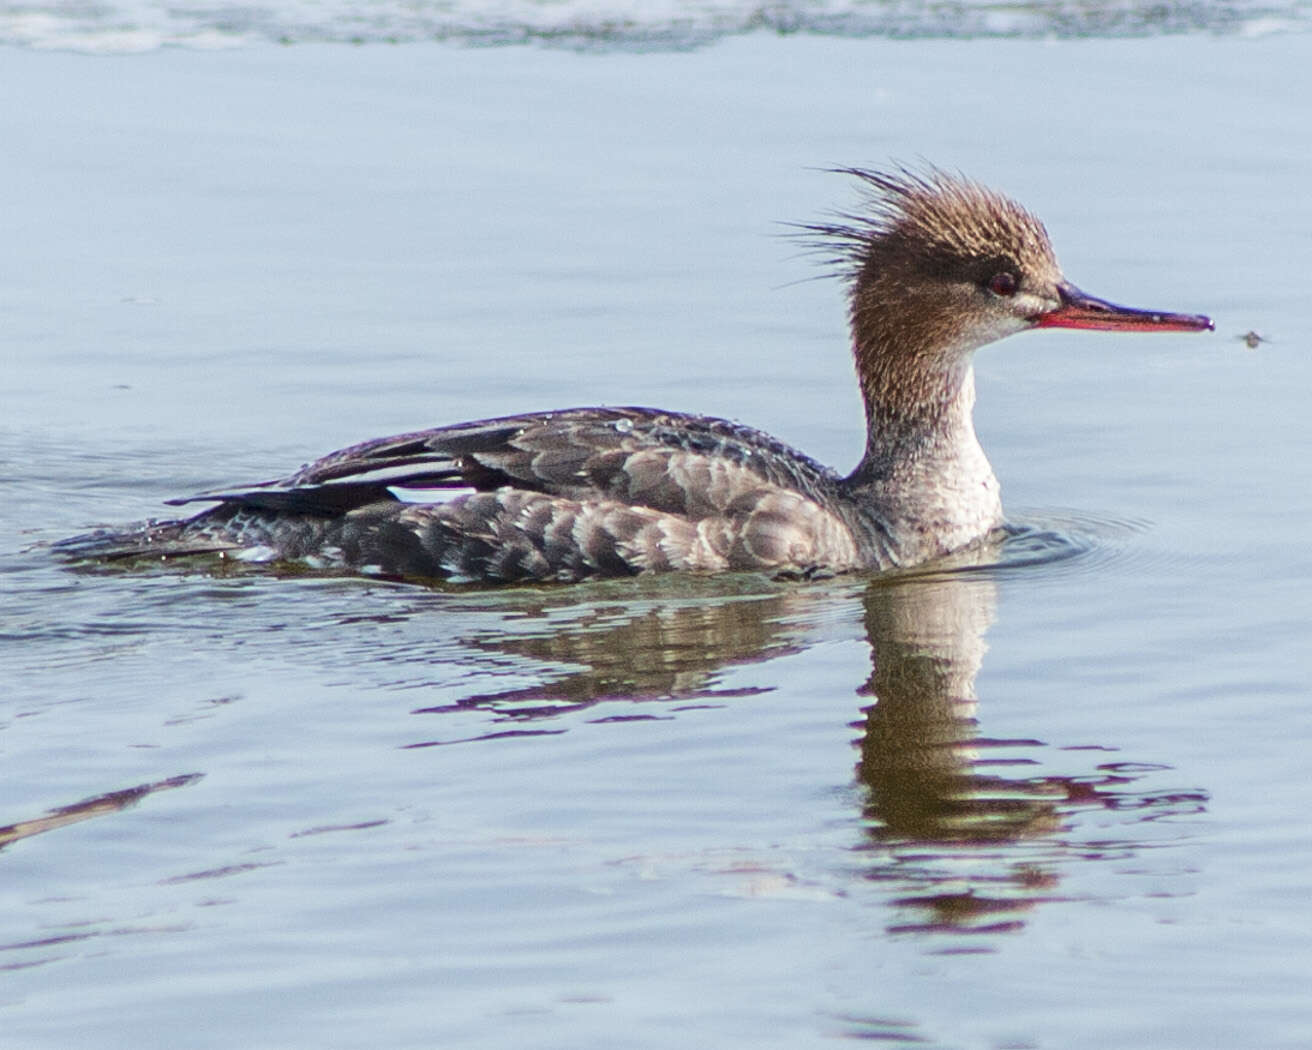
x=693, y=466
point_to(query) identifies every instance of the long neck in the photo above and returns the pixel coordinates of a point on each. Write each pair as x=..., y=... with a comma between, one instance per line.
x=919, y=418
x=924, y=477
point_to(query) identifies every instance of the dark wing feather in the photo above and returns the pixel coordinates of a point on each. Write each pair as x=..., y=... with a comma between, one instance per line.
x=681, y=464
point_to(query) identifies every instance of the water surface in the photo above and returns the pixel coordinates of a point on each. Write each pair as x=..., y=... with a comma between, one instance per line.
x=1060, y=802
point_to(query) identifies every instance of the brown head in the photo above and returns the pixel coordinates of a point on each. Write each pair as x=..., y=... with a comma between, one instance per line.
x=938, y=266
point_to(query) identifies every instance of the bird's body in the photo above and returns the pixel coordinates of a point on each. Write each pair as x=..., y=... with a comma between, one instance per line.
x=937, y=266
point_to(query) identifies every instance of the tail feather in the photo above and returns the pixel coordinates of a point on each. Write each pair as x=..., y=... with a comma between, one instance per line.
x=149, y=539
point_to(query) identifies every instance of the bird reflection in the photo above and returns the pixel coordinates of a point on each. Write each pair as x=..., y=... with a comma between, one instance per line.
x=928, y=770
x=966, y=831
x=674, y=649
x=941, y=796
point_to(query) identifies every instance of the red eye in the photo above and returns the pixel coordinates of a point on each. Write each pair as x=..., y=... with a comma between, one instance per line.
x=1003, y=284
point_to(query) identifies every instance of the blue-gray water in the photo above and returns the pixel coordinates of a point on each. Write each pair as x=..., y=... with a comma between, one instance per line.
x=1061, y=805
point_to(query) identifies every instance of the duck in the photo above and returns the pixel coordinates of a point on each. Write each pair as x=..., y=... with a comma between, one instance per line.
x=936, y=266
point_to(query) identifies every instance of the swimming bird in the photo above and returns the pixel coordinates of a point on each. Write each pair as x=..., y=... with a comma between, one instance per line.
x=936, y=266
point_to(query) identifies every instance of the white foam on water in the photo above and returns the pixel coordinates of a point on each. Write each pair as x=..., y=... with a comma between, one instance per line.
x=134, y=26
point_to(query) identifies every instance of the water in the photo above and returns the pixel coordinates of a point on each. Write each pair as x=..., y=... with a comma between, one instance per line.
x=134, y=26
x=298, y=811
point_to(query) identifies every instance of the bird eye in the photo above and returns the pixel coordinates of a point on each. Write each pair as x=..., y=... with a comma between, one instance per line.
x=1003, y=284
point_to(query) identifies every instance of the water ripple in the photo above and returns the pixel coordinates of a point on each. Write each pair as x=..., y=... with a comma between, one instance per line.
x=1079, y=541
x=1060, y=541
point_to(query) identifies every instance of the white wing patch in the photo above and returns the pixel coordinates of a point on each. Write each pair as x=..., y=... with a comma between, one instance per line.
x=431, y=497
